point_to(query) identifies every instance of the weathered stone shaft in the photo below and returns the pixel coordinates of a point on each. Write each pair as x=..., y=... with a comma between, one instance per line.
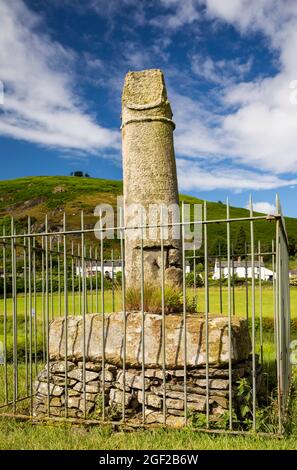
x=149, y=174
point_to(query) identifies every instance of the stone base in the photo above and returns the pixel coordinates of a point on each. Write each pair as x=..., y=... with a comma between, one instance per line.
x=92, y=401
x=129, y=391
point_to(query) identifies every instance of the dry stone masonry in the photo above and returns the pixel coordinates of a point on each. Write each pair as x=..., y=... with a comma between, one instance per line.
x=153, y=377
x=149, y=174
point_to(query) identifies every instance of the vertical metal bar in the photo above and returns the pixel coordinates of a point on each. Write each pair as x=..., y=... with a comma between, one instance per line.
x=112, y=280
x=34, y=309
x=288, y=325
x=34, y=312
x=260, y=301
x=220, y=270
x=96, y=280
x=86, y=278
x=30, y=314
x=274, y=297
x=229, y=317
x=277, y=311
x=194, y=273
x=246, y=283
x=65, y=311
x=51, y=276
x=142, y=315
x=233, y=283
x=13, y=312
x=26, y=314
x=184, y=314
x=163, y=315
x=15, y=319
x=206, y=313
x=47, y=314
x=91, y=278
x=72, y=278
x=103, y=316
x=59, y=277
x=83, y=303
x=79, y=264
x=43, y=302
x=253, y=317
x=122, y=242
x=5, y=320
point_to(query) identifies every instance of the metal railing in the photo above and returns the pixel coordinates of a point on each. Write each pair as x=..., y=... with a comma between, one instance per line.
x=56, y=274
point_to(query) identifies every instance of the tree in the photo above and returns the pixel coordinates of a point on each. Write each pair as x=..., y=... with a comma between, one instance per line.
x=292, y=246
x=240, y=242
x=80, y=174
x=219, y=246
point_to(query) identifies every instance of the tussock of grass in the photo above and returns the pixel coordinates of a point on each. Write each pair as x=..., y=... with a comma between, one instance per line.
x=173, y=299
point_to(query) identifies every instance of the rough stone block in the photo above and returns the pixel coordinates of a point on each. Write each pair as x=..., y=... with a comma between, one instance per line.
x=77, y=374
x=116, y=397
x=133, y=380
x=196, y=349
x=150, y=399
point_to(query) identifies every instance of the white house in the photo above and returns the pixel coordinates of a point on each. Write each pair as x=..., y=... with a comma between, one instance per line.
x=242, y=269
x=92, y=268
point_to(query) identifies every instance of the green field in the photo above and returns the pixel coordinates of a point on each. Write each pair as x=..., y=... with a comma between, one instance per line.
x=56, y=302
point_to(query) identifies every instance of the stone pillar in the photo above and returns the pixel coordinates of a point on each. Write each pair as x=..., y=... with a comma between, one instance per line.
x=149, y=174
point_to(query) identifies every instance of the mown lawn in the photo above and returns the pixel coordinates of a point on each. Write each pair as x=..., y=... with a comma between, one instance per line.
x=56, y=302
x=24, y=435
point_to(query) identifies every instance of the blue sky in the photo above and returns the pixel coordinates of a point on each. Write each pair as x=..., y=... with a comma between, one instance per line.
x=230, y=69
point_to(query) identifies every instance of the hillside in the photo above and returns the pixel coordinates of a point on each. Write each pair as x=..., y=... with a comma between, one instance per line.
x=37, y=196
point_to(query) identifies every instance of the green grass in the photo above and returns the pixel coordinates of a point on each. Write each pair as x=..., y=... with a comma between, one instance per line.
x=15, y=435
x=56, y=302
x=24, y=435
x=45, y=188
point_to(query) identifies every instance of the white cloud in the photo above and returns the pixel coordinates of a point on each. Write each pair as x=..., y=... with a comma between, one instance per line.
x=221, y=71
x=41, y=105
x=255, y=123
x=196, y=176
x=263, y=207
x=262, y=132
x=193, y=135
x=180, y=13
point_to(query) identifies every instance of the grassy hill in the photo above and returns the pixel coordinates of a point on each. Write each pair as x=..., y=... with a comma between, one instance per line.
x=37, y=196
